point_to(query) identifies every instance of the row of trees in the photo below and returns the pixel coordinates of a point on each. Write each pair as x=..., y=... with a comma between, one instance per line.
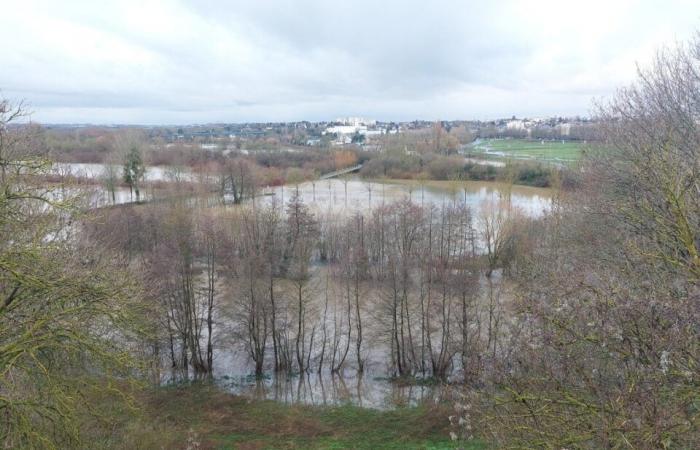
x=577, y=131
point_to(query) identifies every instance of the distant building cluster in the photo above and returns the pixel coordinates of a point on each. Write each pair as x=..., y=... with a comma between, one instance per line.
x=350, y=130
x=356, y=131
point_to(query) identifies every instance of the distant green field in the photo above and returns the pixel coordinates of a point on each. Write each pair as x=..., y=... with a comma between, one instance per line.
x=549, y=151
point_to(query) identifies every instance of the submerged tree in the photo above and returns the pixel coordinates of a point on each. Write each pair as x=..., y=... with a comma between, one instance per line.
x=302, y=232
x=237, y=180
x=134, y=170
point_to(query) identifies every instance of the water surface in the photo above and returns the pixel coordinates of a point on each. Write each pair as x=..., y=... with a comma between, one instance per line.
x=355, y=195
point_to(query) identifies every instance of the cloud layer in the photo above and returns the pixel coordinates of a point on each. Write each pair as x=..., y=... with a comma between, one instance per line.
x=167, y=61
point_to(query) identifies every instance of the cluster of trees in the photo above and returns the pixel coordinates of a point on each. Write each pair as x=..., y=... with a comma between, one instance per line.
x=111, y=146
x=428, y=153
x=401, y=165
x=301, y=292
x=439, y=139
x=83, y=145
x=235, y=178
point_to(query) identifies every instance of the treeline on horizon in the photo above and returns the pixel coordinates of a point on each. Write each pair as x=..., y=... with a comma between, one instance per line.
x=414, y=154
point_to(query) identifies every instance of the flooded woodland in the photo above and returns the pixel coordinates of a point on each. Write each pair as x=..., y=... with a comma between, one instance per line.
x=374, y=293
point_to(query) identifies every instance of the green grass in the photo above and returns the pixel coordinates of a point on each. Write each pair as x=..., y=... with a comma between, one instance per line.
x=216, y=420
x=350, y=427
x=548, y=151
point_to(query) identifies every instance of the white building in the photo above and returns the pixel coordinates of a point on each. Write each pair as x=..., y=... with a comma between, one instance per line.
x=515, y=125
x=344, y=129
x=356, y=121
x=564, y=129
x=352, y=126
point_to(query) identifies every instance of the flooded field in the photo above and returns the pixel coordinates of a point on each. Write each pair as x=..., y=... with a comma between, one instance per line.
x=349, y=195
x=89, y=180
x=354, y=195
x=97, y=171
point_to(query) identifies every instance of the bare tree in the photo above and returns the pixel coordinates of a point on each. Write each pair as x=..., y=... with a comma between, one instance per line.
x=301, y=234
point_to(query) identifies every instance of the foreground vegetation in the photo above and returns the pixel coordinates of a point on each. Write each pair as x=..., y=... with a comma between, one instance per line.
x=217, y=420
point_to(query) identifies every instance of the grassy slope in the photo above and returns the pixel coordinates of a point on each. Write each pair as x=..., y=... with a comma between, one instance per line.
x=221, y=421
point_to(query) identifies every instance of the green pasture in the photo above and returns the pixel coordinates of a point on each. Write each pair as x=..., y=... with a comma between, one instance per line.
x=540, y=150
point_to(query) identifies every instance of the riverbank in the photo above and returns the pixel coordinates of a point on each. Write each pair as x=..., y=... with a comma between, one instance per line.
x=200, y=416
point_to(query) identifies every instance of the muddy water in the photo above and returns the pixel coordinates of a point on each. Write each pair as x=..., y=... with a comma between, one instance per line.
x=328, y=389
x=349, y=195
x=358, y=195
x=233, y=369
x=97, y=171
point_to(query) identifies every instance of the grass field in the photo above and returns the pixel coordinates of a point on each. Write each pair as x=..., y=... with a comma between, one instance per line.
x=548, y=151
x=207, y=418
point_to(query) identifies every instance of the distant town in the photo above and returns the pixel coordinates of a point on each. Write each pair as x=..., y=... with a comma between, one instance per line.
x=350, y=131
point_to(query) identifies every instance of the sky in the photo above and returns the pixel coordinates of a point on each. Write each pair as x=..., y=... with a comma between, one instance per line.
x=205, y=61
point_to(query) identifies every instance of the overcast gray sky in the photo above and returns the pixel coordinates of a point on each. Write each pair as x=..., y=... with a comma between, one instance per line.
x=169, y=61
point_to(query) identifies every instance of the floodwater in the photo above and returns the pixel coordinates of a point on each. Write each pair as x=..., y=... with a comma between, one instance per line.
x=97, y=195
x=349, y=195
x=233, y=373
x=328, y=389
x=355, y=195
x=97, y=171
x=233, y=369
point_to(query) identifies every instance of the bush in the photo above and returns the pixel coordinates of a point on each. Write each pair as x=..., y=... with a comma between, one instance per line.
x=534, y=175
x=445, y=168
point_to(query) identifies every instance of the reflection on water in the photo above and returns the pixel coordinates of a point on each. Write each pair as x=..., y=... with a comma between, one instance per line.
x=233, y=372
x=102, y=197
x=328, y=389
x=97, y=171
x=349, y=195
x=92, y=196
x=358, y=195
